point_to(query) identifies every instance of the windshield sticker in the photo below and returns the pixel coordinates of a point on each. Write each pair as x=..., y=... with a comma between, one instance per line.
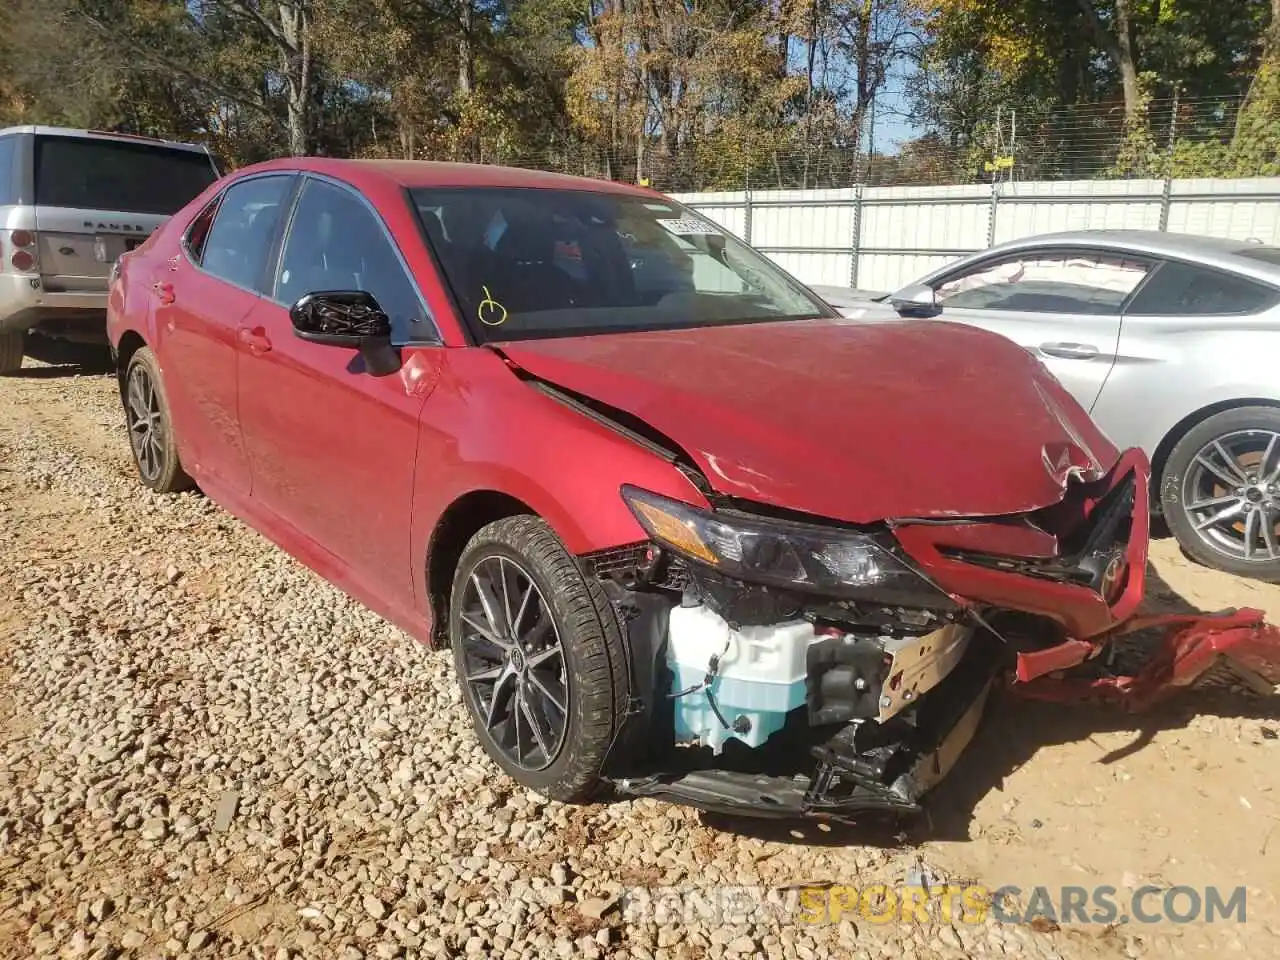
x=687, y=226
x=491, y=312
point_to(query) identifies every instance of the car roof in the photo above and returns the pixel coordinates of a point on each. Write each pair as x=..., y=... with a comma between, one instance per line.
x=1211, y=251
x=45, y=130
x=434, y=173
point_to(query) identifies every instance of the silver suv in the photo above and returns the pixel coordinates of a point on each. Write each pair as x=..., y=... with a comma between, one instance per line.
x=72, y=201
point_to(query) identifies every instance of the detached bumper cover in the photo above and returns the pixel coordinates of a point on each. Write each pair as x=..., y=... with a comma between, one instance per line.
x=1188, y=648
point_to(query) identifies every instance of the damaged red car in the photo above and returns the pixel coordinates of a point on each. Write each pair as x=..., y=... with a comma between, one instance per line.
x=687, y=532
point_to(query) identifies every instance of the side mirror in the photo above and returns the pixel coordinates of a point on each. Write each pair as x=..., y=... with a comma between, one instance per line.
x=916, y=300
x=347, y=318
x=339, y=318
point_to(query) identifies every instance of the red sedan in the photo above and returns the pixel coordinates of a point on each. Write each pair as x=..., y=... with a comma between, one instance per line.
x=687, y=532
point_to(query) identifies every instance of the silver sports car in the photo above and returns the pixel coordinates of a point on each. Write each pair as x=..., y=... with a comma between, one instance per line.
x=1171, y=341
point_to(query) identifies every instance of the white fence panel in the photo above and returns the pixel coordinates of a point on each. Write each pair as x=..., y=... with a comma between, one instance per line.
x=883, y=237
x=1028, y=208
x=729, y=210
x=1236, y=209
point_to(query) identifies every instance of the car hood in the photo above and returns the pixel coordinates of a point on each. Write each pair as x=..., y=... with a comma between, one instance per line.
x=857, y=422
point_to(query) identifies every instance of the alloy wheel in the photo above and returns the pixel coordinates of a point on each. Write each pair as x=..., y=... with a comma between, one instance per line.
x=514, y=665
x=1231, y=495
x=146, y=423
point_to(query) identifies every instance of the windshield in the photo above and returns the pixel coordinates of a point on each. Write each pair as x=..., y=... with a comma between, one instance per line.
x=525, y=263
x=92, y=174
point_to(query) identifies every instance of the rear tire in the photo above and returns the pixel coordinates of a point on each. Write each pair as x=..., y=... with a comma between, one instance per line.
x=12, y=346
x=146, y=412
x=1231, y=526
x=527, y=679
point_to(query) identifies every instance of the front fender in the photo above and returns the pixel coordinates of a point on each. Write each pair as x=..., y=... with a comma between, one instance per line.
x=484, y=430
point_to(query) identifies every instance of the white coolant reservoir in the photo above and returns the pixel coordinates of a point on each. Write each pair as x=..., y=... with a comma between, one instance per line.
x=759, y=679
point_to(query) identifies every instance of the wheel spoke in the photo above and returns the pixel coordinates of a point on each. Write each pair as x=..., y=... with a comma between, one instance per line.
x=1250, y=533
x=539, y=735
x=1218, y=472
x=484, y=632
x=524, y=605
x=502, y=693
x=506, y=596
x=545, y=687
x=1231, y=462
x=1213, y=502
x=542, y=656
x=1266, y=455
x=487, y=674
x=1221, y=515
x=1269, y=535
x=489, y=604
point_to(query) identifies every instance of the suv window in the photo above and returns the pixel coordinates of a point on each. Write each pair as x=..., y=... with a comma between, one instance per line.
x=335, y=242
x=8, y=146
x=1046, y=283
x=243, y=230
x=113, y=175
x=1181, y=289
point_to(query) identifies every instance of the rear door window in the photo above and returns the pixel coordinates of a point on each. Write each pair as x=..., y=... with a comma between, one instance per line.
x=244, y=231
x=1047, y=282
x=116, y=176
x=1185, y=290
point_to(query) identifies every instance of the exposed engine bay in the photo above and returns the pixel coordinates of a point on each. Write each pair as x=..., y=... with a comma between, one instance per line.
x=782, y=666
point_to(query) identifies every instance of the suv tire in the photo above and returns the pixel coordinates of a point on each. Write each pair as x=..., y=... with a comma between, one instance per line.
x=12, y=346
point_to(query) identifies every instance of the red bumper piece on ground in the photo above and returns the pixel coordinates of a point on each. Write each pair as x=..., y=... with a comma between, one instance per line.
x=1190, y=646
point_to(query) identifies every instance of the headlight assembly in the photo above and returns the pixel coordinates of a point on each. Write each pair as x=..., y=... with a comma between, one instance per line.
x=815, y=559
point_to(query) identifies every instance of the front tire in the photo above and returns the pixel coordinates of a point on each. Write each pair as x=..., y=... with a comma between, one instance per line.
x=146, y=411
x=1221, y=492
x=12, y=345
x=539, y=654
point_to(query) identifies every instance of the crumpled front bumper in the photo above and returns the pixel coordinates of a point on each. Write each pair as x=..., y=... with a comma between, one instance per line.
x=1083, y=589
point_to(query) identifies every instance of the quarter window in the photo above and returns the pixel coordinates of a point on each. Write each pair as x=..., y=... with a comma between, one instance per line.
x=244, y=229
x=1046, y=283
x=198, y=231
x=336, y=243
x=1181, y=290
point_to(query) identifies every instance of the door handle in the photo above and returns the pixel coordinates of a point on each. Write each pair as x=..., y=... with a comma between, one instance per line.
x=255, y=339
x=164, y=291
x=1070, y=351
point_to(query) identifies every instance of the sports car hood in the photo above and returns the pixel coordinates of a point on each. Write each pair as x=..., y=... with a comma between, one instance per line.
x=855, y=422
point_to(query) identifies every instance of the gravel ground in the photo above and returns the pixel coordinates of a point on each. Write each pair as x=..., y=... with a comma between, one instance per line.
x=207, y=751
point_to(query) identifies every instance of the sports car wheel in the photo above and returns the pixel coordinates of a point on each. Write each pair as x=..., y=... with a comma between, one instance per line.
x=1221, y=492
x=539, y=656
x=146, y=413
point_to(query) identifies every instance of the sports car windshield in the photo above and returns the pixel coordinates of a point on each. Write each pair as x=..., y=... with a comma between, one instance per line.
x=526, y=263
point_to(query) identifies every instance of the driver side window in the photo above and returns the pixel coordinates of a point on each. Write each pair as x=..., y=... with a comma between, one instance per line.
x=335, y=242
x=1047, y=282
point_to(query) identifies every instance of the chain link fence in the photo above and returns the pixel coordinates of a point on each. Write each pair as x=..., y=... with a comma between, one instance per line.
x=1167, y=138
